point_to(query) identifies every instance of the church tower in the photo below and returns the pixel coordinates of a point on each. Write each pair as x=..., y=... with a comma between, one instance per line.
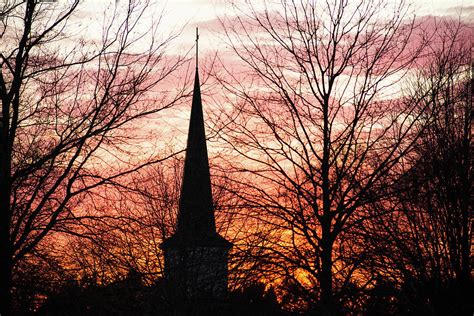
x=196, y=255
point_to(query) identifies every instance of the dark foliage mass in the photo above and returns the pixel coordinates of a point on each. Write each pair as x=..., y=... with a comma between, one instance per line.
x=131, y=297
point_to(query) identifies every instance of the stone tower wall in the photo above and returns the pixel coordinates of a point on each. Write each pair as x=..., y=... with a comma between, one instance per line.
x=197, y=272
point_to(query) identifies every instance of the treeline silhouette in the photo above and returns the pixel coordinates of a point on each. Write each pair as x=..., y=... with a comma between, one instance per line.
x=130, y=296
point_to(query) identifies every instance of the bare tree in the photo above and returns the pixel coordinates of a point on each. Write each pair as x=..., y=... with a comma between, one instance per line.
x=69, y=107
x=318, y=122
x=140, y=213
x=423, y=243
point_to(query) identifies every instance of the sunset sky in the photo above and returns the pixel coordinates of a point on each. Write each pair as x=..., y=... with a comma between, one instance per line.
x=185, y=15
x=329, y=138
x=203, y=13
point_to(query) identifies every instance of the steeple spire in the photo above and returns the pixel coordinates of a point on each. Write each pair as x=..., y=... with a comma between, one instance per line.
x=196, y=223
x=196, y=209
x=197, y=47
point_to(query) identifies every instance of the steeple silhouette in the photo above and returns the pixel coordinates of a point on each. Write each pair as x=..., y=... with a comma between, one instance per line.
x=196, y=223
x=196, y=209
x=196, y=255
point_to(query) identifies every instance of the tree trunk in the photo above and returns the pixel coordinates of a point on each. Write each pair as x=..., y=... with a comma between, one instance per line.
x=327, y=302
x=5, y=217
x=465, y=274
x=326, y=238
x=5, y=274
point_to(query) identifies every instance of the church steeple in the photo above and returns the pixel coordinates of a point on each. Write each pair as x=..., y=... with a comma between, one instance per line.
x=196, y=223
x=196, y=209
x=196, y=255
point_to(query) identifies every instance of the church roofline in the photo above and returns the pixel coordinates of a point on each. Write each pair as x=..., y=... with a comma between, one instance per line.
x=182, y=241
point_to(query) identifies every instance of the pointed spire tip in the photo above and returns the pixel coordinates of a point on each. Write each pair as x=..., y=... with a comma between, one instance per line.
x=197, y=41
